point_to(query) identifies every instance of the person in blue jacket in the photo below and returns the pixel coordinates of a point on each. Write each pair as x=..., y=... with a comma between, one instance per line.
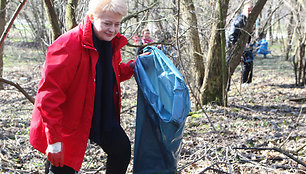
x=236, y=28
x=262, y=45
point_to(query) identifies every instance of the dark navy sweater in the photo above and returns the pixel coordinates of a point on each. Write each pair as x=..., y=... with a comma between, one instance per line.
x=104, y=112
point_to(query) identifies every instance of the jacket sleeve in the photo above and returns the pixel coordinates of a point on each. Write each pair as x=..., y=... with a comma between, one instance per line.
x=126, y=71
x=58, y=71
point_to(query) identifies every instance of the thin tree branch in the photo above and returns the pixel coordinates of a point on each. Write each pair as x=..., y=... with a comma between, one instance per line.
x=16, y=85
x=4, y=34
x=134, y=15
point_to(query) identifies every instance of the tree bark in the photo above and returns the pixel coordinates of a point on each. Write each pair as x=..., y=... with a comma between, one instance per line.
x=212, y=87
x=2, y=26
x=53, y=19
x=289, y=37
x=299, y=53
x=189, y=16
x=270, y=26
x=301, y=62
x=70, y=14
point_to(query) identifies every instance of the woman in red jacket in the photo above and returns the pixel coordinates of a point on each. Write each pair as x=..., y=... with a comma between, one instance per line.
x=79, y=94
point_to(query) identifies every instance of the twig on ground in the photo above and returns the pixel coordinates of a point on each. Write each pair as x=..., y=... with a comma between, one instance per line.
x=211, y=168
x=300, y=148
x=275, y=149
x=298, y=99
x=246, y=108
x=128, y=109
x=190, y=163
x=298, y=119
x=228, y=162
x=286, y=140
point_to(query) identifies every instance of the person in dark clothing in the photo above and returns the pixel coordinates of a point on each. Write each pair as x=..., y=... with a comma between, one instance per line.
x=247, y=67
x=79, y=96
x=236, y=28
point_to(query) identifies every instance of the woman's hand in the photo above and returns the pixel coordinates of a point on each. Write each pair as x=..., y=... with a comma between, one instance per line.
x=55, y=154
x=144, y=54
x=132, y=64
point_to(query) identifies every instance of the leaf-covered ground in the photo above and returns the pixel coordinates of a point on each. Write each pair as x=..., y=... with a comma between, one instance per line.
x=260, y=115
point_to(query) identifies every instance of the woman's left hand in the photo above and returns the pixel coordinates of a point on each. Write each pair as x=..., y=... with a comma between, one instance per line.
x=132, y=64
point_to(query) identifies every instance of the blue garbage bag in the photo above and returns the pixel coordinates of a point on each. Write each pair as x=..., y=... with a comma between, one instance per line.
x=163, y=104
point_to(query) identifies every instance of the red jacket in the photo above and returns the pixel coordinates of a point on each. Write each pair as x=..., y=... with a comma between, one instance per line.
x=65, y=98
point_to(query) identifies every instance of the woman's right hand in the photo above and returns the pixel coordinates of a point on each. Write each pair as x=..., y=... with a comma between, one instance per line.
x=55, y=154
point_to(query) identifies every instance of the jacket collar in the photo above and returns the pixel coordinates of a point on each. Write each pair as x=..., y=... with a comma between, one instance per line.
x=118, y=42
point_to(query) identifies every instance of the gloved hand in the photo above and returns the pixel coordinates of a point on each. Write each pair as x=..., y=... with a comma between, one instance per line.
x=55, y=154
x=132, y=64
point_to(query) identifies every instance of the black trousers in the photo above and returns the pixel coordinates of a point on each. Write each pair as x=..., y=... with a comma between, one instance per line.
x=116, y=145
x=247, y=72
x=61, y=170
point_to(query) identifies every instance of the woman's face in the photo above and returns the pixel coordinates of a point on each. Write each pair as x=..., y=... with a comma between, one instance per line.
x=106, y=25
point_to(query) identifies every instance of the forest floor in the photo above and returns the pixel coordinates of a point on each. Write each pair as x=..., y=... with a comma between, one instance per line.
x=261, y=131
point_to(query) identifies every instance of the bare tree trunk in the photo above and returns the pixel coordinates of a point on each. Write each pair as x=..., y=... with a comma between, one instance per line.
x=302, y=60
x=53, y=19
x=280, y=38
x=299, y=53
x=270, y=26
x=289, y=37
x=70, y=14
x=237, y=49
x=189, y=16
x=259, y=27
x=2, y=27
x=214, y=84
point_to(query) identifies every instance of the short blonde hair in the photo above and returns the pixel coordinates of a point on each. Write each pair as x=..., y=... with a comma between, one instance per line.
x=116, y=6
x=246, y=5
x=248, y=2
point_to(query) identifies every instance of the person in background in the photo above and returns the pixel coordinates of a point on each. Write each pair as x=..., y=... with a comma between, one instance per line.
x=233, y=35
x=145, y=39
x=262, y=45
x=79, y=96
x=247, y=67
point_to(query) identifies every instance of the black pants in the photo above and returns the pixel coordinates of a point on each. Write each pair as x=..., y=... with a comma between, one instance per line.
x=247, y=72
x=116, y=145
x=61, y=170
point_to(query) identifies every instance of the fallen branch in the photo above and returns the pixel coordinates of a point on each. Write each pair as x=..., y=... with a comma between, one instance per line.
x=298, y=99
x=300, y=148
x=128, y=109
x=16, y=85
x=275, y=149
x=192, y=162
x=213, y=169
